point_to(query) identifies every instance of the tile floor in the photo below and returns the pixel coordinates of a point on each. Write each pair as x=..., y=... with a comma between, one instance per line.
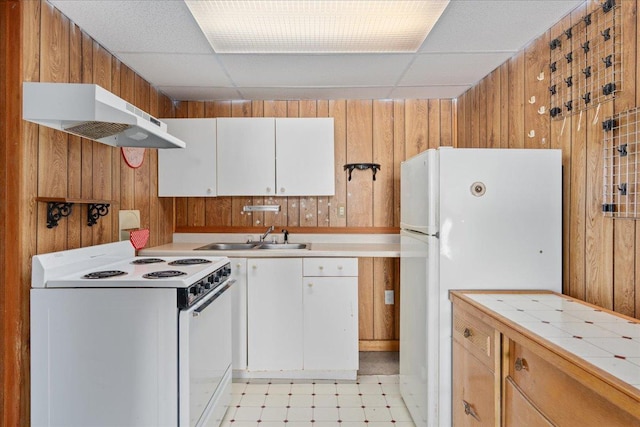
x=370, y=401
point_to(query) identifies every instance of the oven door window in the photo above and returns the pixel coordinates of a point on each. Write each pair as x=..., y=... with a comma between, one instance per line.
x=205, y=354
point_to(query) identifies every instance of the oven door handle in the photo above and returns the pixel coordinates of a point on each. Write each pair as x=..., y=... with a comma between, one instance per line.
x=222, y=290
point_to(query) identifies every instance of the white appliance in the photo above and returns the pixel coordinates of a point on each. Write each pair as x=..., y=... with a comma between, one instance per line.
x=470, y=219
x=92, y=112
x=119, y=340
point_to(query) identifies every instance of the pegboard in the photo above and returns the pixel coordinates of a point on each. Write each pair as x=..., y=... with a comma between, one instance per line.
x=585, y=64
x=621, y=172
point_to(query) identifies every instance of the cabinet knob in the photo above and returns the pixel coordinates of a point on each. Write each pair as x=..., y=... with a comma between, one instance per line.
x=282, y=190
x=209, y=190
x=339, y=267
x=238, y=265
x=254, y=266
x=310, y=285
x=468, y=409
x=320, y=268
x=268, y=189
x=467, y=332
x=520, y=364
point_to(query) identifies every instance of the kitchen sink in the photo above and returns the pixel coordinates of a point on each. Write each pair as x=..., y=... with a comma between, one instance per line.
x=250, y=245
x=226, y=247
x=282, y=246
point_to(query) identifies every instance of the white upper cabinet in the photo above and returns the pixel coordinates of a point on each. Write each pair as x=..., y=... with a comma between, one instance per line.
x=305, y=157
x=189, y=171
x=246, y=156
x=282, y=156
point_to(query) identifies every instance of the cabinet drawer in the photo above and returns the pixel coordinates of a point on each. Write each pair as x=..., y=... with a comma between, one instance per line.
x=563, y=400
x=518, y=411
x=330, y=267
x=475, y=336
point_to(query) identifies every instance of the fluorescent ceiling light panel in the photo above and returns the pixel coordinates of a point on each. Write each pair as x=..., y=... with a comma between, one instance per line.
x=316, y=26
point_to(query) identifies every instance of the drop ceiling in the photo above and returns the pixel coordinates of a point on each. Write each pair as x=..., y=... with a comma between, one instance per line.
x=162, y=42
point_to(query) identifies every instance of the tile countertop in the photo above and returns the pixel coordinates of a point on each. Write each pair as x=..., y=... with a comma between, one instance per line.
x=326, y=245
x=607, y=341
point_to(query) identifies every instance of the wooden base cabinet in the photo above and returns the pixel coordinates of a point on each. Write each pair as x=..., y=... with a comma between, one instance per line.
x=505, y=375
x=476, y=374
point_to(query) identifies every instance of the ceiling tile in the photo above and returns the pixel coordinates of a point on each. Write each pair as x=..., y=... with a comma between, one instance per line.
x=428, y=92
x=315, y=70
x=137, y=26
x=451, y=69
x=200, y=93
x=486, y=26
x=286, y=93
x=171, y=68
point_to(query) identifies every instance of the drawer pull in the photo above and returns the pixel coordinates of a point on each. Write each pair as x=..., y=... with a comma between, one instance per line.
x=468, y=409
x=320, y=268
x=467, y=332
x=520, y=364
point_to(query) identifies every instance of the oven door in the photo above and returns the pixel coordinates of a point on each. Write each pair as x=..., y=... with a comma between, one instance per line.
x=204, y=357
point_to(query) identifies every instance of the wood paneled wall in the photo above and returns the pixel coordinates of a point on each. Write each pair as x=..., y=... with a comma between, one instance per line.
x=37, y=43
x=600, y=255
x=378, y=131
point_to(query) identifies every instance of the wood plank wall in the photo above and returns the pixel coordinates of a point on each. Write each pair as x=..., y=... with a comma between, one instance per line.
x=37, y=43
x=600, y=255
x=378, y=131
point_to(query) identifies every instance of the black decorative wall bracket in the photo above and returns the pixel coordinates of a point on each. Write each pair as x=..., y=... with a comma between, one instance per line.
x=95, y=211
x=61, y=207
x=362, y=166
x=56, y=211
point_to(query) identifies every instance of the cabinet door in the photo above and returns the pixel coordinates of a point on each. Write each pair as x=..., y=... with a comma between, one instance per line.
x=189, y=171
x=246, y=156
x=330, y=323
x=275, y=321
x=474, y=388
x=305, y=157
x=239, y=313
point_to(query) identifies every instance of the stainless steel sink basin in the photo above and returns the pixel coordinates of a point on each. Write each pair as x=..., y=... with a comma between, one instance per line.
x=250, y=245
x=226, y=247
x=282, y=246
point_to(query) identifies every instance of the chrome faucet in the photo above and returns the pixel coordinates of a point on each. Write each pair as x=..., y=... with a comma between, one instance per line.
x=264, y=236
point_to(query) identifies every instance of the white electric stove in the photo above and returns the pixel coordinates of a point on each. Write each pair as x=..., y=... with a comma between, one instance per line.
x=129, y=341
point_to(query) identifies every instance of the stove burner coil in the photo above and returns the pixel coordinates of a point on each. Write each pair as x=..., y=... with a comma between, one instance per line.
x=103, y=274
x=164, y=274
x=190, y=261
x=147, y=261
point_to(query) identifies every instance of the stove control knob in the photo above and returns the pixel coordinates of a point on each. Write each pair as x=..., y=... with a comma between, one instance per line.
x=211, y=278
x=193, y=290
x=207, y=285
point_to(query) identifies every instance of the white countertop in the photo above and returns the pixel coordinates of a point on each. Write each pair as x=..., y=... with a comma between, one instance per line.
x=609, y=342
x=361, y=246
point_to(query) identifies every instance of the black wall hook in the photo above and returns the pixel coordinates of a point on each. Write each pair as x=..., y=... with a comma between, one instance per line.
x=362, y=166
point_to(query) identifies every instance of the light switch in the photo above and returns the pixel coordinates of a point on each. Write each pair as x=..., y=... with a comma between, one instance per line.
x=341, y=211
x=388, y=297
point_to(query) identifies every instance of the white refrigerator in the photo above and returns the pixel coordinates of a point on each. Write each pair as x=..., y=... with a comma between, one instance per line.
x=470, y=219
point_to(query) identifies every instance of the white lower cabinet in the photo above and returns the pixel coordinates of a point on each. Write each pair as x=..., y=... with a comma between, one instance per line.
x=275, y=318
x=302, y=325
x=239, y=313
x=330, y=323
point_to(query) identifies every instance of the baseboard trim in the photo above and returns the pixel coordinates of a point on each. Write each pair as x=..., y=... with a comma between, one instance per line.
x=379, y=345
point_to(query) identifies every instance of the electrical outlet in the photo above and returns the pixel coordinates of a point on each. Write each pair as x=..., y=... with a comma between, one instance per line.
x=341, y=210
x=388, y=297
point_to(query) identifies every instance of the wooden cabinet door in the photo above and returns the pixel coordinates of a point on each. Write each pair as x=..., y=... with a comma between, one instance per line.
x=330, y=323
x=305, y=157
x=275, y=320
x=474, y=390
x=239, y=313
x=518, y=411
x=189, y=171
x=246, y=156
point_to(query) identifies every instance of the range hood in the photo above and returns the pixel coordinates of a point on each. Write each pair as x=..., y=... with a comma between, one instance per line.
x=92, y=112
